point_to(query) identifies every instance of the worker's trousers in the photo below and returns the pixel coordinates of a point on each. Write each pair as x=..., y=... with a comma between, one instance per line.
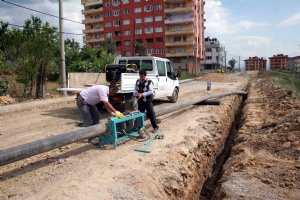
x=148, y=106
x=89, y=113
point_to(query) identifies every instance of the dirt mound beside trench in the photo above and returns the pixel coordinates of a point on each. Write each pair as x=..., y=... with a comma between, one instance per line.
x=265, y=161
x=215, y=77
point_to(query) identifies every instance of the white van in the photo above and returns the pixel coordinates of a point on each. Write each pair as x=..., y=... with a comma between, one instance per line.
x=159, y=70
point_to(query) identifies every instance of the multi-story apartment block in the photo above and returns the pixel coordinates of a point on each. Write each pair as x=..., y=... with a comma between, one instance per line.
x=214, y=55
x=278, y=62
x=255, y=64
x=168, y=28
x=293, y=64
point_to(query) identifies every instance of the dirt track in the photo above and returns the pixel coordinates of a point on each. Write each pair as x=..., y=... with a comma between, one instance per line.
x=178, y=165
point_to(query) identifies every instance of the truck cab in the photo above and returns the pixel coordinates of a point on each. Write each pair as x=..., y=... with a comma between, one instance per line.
x=159, y=70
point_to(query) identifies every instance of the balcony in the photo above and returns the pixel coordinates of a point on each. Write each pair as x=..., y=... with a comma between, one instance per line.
x=189, y=7
x=180, y=54
x=179, y=20
x=179, y=32
x=92, y=11
x=92, y=21
x=180, y=44
x=91, y=2
x=94, y=30
x=94, y=40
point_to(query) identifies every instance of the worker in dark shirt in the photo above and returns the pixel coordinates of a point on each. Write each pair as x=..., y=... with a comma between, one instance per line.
x=143, y=90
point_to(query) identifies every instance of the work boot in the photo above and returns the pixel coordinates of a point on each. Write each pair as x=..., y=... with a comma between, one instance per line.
x=93, y=140
x=155, y=129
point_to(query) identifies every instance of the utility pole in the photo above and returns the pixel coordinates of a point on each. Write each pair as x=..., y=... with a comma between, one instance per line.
x=225, y=61
x=240, y=63
x=62, y=48
x=134, y=38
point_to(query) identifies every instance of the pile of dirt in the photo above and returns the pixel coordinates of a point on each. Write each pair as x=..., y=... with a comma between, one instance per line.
x=215, y=77
x=5, y=100
x=266, y=157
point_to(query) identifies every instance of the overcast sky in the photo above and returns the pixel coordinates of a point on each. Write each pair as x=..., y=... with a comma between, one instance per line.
x=246, y=28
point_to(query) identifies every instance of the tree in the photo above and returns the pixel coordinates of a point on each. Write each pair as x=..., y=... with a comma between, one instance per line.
x=140, y=49
x=232, y=63
x=109, y=45
x=41, y=40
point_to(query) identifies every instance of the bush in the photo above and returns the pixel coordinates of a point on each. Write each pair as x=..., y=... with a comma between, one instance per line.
x=3, y=85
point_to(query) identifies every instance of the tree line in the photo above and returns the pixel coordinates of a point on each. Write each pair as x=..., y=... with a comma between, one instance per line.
x=31, y=55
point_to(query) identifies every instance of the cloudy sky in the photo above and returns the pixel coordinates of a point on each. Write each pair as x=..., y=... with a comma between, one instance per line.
x=246, y=28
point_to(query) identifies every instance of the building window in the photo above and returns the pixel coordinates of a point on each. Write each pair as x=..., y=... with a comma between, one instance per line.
x=149, y=51
x=137, y=0
x=116, y=2
x=117, y=23
x=125, y=1
x=149, y=41
x=118, y=33
x=158, y=29
x=118, y=44
x=138, y=31
x=127, y=53
x=149, y=30
x=177, y=5
x=127, y=32
x=177, y=28
x=127, y=42
x=159, y=51
x=177, y=50
x=158, y=7
x=126, y=11
x=177, y=39
x=126, y=22
x=116, y=12
x=148, y=8
x=108, y=24
x=137, y=10
x=107, y=4
x=138, y=20
x=98, y=45
x=107, y=14
x=139, y=41
x=148, y=19
x=158, y=18
x=108, y=35
x=208, y=50
x=159, y=39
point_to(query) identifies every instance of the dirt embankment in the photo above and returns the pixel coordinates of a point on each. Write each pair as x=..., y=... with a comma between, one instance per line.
x=265, y=161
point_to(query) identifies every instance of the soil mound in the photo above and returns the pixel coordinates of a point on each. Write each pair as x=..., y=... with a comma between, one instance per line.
x=215, y=77
x=5, y=100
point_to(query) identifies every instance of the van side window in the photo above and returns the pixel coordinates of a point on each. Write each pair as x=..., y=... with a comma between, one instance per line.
x=169, y=70
x=161, y=68
x=122, y=62
x=147, y=65
x=137, y=62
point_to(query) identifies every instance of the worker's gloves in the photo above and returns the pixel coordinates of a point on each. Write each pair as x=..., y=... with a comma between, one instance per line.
x=118, y=114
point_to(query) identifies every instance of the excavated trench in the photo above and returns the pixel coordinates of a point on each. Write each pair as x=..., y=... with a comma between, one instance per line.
x=210, y=185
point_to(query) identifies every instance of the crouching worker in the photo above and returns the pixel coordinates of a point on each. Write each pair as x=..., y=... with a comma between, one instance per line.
x=143, y=90
x=86, y=102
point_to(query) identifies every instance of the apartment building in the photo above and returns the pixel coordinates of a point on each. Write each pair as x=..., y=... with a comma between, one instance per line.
x=255, y=64
x=214, y=55
x=168, y=28
x=278, y=62
x=293, y=64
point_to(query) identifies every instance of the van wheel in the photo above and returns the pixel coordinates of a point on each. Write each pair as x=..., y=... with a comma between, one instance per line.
x=174, y=97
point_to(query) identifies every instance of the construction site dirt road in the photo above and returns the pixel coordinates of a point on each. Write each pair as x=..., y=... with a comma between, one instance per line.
x=241, y=149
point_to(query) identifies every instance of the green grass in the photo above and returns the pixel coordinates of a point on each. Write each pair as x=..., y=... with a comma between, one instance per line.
x=289, y=81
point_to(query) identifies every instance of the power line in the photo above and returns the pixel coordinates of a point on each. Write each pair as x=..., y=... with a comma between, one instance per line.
x=56, y=31
x=39, y=11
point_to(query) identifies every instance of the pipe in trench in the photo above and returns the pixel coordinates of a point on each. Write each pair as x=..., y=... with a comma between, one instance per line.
x=30, y=149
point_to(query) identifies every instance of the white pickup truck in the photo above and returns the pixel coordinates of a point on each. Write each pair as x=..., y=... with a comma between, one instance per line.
x=159, y=70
